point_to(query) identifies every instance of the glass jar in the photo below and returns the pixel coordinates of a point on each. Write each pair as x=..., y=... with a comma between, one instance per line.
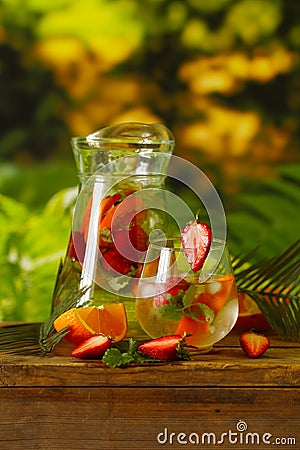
x=122, y=170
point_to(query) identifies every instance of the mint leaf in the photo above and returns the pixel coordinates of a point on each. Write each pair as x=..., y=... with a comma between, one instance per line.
x=191, y=294
x=171, y=311
x=118, y=356
x=132, y=347
x=200, y=312
x=113, y=357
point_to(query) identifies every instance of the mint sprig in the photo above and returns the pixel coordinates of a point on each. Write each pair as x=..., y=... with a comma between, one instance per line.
x=113, y=357
x=173, y=309
x=119, y=356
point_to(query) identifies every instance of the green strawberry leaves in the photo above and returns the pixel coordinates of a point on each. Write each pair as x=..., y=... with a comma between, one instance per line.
x=119, y=355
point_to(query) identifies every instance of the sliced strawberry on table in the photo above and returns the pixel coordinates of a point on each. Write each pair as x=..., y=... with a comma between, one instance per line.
x=196, y=240
x=254, y=344
x=92, y=348
x=163, y=348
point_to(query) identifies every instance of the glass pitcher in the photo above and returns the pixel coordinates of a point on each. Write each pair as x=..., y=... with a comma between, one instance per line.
x=122, y=170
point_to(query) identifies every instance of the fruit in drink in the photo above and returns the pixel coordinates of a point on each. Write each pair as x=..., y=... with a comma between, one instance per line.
x=172, y=288
x=196, y=323
x=206, y=311
x=196, y=240
x=250, y=316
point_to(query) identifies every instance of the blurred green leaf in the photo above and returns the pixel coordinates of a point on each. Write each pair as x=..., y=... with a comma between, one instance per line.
x=31, y=246
x=268, y=217
x=36, y=184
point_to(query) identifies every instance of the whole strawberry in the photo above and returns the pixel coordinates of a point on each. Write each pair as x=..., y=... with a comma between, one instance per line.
x=196, y=240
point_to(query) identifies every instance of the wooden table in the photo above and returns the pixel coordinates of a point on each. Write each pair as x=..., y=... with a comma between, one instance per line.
x=222, y=399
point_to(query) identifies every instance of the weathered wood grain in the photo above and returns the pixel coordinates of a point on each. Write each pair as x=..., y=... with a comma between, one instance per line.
x=226, y=364
x=126, y=418
x=59, y=402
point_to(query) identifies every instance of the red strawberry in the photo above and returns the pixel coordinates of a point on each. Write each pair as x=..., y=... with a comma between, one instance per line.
x=174, y=286
x=254, y=344
x=135, y=237
x=76, y=249
x=107, y=203
x=196, y=240
x=163, y=348
x=113, y=260
x=138, y=238
x=92, y=348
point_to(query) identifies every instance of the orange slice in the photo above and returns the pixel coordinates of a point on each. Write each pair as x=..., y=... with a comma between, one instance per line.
x=250, y=315
x=109, y=320
x=105, y=206
x=198, y=329
x=217, y=292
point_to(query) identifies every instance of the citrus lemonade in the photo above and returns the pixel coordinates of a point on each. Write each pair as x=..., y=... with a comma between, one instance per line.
x=106, y=251
x=206, y=312
x=176, y=301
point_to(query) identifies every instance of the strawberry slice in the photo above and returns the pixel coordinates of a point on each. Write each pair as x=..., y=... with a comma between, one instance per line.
x=135, y=237
x=138, y=238
x=163, y=348
x=92, y=348
x=174, y=287
x=76, y=248
x=196, y=240
x=254, y=344
x=113, y=260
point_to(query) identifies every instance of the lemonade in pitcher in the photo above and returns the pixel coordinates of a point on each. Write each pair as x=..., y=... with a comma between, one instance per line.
x=122, y=171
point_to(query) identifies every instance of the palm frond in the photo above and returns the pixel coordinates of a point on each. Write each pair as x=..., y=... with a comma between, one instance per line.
x=274, y=284
x=49, y=337
x=23, y=337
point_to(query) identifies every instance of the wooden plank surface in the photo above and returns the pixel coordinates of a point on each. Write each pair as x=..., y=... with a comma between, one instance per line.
x=139, y=418
x=59, y=402
x=226, y=365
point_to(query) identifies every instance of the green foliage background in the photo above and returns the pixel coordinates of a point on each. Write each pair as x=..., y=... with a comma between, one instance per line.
x=223, y=75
